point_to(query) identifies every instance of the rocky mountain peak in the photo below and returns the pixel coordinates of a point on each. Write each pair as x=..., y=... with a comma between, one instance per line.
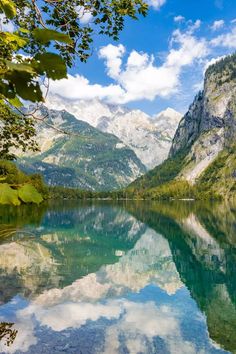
x=149, y=137
x=210, y=123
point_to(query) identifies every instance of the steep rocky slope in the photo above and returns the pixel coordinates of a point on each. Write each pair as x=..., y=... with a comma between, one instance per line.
x=203, y=151
x=84, y=158
x=210, y=124
x=149, y=137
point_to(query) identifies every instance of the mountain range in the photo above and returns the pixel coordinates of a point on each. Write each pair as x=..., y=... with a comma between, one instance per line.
x=106, y=146
x=149, y=137
x=83, y=157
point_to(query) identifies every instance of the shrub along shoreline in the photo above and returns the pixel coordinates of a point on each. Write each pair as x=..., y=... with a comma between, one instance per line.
x=17, y=188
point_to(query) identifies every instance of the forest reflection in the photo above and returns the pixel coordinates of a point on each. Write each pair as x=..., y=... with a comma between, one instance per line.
x=96, y=252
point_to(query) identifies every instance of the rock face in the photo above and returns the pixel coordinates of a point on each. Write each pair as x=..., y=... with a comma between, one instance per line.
x=85, y=158
x=149, y=137
x=210, y=124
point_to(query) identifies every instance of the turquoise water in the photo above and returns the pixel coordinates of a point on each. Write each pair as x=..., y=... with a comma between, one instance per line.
x=118, y=278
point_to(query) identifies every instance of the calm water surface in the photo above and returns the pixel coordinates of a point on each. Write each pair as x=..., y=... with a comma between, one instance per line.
x=118, y=278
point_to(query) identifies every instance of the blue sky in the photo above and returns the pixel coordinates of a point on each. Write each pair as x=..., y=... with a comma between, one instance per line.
x=159, y=60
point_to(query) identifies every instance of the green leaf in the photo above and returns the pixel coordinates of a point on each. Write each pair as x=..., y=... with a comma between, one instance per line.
x=8, y=7
x=44, y=36
x=6, y=90
x=29, y=194
x=51, y=64
x=20, y=67
x=24, y=30
x=8, y=195
x=13, y=38
x=24, y=86
x=15, y=102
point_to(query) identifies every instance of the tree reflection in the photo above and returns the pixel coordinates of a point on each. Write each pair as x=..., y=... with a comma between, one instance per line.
x=202, y=241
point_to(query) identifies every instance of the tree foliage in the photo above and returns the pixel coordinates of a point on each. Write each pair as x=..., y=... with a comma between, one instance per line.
x=16, y=131
x=16, y=187
x=49, y=35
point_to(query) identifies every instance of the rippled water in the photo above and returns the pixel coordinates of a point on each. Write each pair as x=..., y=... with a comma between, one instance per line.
x=118, y=278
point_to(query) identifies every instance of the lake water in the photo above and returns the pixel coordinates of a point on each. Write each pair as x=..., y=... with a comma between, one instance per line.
x=84, y=278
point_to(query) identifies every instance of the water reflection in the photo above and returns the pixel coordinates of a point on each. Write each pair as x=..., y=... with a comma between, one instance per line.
x=203, y=246
x=7, y=334
x=133, y=278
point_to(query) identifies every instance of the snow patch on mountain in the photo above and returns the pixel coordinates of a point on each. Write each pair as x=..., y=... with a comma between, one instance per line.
x=149, y=137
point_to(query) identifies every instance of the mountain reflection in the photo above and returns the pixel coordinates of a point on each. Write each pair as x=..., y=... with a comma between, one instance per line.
x=202, y=241
x=122, y=278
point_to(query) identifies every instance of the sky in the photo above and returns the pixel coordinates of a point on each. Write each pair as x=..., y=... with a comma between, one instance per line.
x=159, y=61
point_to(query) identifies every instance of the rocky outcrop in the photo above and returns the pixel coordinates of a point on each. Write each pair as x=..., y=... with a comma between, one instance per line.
x=209, y=126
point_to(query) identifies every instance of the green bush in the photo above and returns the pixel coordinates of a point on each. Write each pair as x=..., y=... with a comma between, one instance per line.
x=17, y=187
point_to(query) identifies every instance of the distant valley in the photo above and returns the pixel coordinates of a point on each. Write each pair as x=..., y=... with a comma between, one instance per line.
x=106, y=148
x=149, y=137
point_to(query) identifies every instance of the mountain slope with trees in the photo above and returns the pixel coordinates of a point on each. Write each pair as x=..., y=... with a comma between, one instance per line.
x=84, y=157
x=202, y=158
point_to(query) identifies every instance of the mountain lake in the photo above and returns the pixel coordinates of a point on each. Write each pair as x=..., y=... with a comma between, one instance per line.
x=118, y=277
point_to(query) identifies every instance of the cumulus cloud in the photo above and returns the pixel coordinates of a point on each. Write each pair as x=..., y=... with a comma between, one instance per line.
x=194, y=26
x=113, y=55
x=217, y=25
x=84, y=15
x=78, y=87
x=227, y=40
x=179, y=18
x=134, y=324
x=138, y=77
x=156, y=4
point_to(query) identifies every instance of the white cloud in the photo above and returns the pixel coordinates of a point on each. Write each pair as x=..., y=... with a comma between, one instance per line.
x=113, y=55
x=134, y=324
x=227, y=40
x=194, y=26
x=84, y=15
x=139, y=77
x=6, y=27
x=63, y=316
x=217, y=25
x=233, y=21
x=78, y=87
x=156, y=3
x=179, y=18
x=190, y=49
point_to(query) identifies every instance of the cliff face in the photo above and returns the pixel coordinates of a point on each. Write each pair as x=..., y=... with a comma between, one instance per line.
x=210, y=124
x=202, y=159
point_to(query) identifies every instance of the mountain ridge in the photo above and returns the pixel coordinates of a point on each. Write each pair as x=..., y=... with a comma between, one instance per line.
x=139, y=131
x=84, y=158
x=202, y=158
